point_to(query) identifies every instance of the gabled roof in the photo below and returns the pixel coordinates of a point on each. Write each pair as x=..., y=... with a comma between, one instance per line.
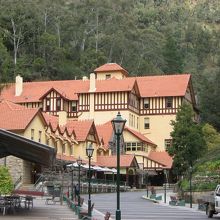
x=166, y=85
x=162, y=157
x=111, y=67
x=111, y=161
x=146, y=86
x=34, y=91
x=80, y=128
x=105, y=133
x=141, y=136
x=16, y=117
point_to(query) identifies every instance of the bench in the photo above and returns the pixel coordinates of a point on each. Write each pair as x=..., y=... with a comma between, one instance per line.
x=176, y=202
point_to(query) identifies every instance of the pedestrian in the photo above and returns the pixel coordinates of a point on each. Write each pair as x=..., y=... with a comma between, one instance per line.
x=76, y=189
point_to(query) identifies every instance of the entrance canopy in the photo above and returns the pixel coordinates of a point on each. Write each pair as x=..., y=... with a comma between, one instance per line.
x=21, y=147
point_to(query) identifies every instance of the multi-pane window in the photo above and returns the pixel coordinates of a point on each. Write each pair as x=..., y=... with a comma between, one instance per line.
x=47, y=105
x=58, y=103
x=169, y=102
x=167, y=143
x=133, y=146
x=73, y=106
x=146, y=103
x=32, y=134
x=146, y=123
x=40, y=135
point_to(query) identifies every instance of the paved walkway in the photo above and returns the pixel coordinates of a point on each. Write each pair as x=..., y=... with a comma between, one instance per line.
x=40, y=211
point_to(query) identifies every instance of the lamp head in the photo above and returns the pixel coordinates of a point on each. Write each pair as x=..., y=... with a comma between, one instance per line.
x=89, y=150
x=118, y=124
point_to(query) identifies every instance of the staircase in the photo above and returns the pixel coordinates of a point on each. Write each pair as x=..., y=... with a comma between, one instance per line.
x=28, y=189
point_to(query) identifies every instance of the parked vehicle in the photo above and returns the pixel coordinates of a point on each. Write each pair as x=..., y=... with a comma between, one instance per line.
x=213, y=203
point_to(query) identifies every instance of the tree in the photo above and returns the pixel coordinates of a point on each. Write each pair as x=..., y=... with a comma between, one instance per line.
x=211, y=136
x=6, y=184
x=172, y=56
x=188, y=142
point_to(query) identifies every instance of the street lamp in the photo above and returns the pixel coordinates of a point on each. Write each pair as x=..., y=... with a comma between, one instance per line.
x=79, y=162
x=147, y=183
x=190, y=185
x=89, y=153
x=165, y=186
x=118, y=124
x=71, y=169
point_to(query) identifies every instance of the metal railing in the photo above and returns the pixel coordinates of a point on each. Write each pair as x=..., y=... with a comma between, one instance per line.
x=17, y=182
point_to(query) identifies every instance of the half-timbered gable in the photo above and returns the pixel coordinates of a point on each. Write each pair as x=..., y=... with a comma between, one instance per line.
x=53, y=102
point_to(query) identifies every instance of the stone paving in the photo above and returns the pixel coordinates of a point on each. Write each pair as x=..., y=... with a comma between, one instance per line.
x=40, y=211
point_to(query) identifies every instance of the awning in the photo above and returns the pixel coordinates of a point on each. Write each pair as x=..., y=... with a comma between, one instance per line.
x=26, y=149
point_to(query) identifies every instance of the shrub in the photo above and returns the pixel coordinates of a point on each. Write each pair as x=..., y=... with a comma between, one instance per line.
x=6, y=184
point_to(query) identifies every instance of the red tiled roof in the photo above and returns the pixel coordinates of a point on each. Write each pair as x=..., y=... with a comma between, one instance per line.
x=149, y=86
x=114, y=85
x=15, y=117
x=162, y=157
x=34, y=91
x=111, y=161
x=80, y=128
x=166, y=85
x=140, y=136
x=111, y=67
x=105, y=132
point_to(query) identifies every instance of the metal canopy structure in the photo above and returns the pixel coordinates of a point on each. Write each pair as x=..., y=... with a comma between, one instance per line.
x=26, y=149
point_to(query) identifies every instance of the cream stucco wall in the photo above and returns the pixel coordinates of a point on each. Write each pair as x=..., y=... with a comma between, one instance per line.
x=102, y=76
x=80, y=150
x=38, y=126
x=160, y=128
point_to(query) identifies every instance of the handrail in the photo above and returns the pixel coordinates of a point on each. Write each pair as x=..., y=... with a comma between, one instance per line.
x=17, y=182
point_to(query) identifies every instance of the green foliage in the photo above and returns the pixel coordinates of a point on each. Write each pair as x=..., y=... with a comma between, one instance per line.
x=6, y=184
x=211, y=136
x=52, y=38
x=188, y=142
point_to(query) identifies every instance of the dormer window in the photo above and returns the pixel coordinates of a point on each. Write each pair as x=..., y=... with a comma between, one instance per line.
x=169, y=102
x=146, y=103
x=107, y=76
x=73, y=107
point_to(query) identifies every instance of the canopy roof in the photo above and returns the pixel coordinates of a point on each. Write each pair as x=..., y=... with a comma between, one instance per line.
x=18, y=146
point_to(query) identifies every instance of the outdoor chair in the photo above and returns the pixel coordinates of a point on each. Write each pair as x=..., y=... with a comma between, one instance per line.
x=83, y=213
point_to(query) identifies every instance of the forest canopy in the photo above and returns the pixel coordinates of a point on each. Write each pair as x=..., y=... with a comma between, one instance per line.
x=67, y=39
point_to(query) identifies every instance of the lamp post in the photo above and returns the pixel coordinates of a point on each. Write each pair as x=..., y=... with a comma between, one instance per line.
x=71, y=170
x=118, y=124
x=165, y=186
x=147, y=183
x=190, y=186
x=89, y=153
x=79, y=162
